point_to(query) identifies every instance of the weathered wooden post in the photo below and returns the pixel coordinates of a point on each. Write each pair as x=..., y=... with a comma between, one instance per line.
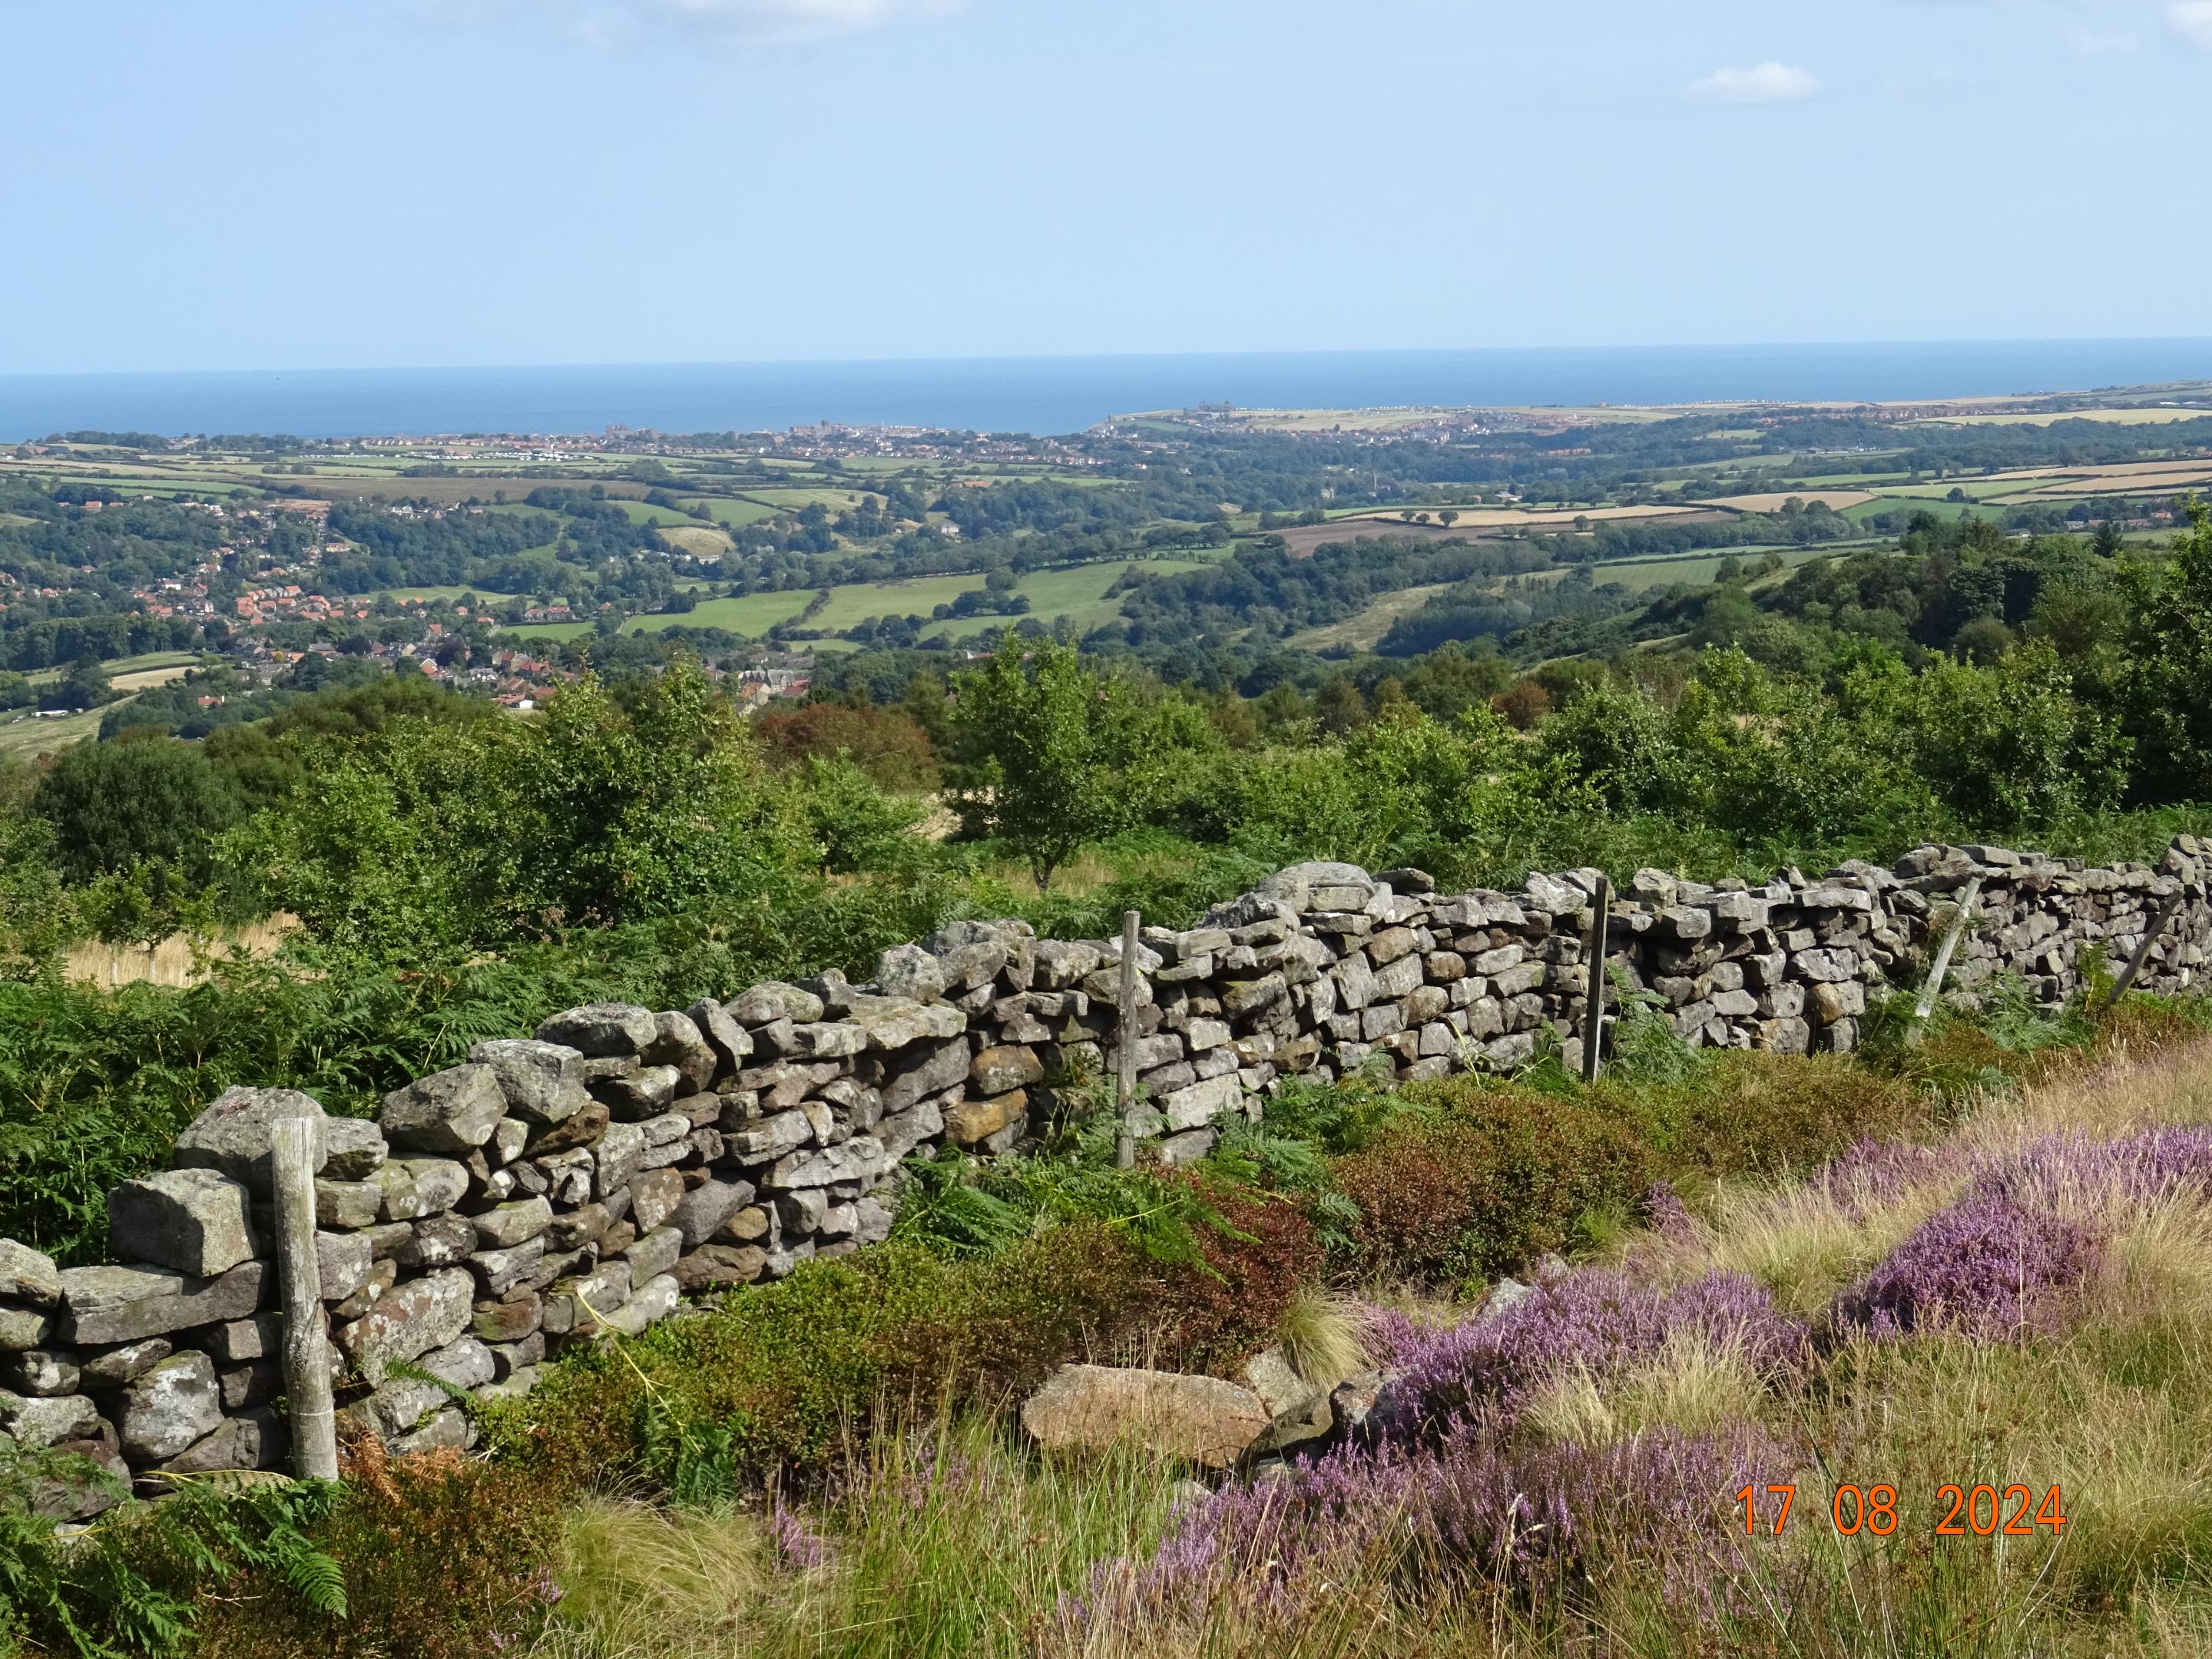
x=1933, y=988
x=1125, y=1093
x=306, y=1349
x=2166, y=914
x=1593, y=950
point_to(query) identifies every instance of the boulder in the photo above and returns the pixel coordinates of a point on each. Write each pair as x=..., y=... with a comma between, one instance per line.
x=27, y=1275
x=727, y=1038
x=452, y=1112
x=616, y=1159
x=198, y=1221
x=450, y=1430
x=766, y=1005
x=973, y=1122
x=1201, y=1102
x=772, y=1137
x=349, y=1205
x=910, y=971
x=354, y=1149
x=505, y=1225
x=652, y=1301
x=711, y=1266
x=1300, y=1411
x=165, y=1411
x=1095, y=1407
x=231, y=1135
x=931, y=1073
x=105, y=1305
x=38, y=1420
x=701, y=1211
x=602, y=1027
x=678, y=1041
x=647, y=1092
x=254, y=1439
x=410, y=1320
x=654, y=1196
x=80, y=1491
x=342, y=1264
x=48, y=1372
x=543, y=1082
x=970, y=953
x=893, y=1022
x=997, y=1071
x=418, y=1187
x=653, y=1253
x=1319, y=885
x=859, y=1159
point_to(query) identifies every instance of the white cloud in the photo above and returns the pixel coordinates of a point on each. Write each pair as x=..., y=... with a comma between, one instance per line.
x=1769, y=83
x=749, y=23
x=2192, y=21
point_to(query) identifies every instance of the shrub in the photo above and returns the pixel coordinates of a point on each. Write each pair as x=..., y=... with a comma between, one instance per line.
x=444, y=1557
x=1476, y=1178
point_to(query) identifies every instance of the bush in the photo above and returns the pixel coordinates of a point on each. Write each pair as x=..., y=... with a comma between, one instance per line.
x=444, y=1557
x=1475, y=1178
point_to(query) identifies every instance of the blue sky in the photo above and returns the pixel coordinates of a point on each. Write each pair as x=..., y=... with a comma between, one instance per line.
x=298, y=183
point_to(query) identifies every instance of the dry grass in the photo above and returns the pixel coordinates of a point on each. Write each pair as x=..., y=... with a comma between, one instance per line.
x=1320, y=1337
x=178, y=961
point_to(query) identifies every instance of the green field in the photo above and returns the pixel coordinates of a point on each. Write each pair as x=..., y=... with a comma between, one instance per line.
x=643, y=512
x=1941, y=510
x=738, y=514
x=23, y=737
x=1078, y=592
x=151, y=661
x=567, y=630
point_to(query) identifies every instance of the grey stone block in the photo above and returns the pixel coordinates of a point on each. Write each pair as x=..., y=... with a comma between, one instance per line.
x=198, y=1221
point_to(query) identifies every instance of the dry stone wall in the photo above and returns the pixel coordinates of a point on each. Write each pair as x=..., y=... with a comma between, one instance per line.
x=583, y=1181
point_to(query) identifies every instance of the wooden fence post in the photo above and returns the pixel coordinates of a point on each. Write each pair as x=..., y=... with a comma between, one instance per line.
x=306, y=1349
x=1594, y=1000
x=1124, y=1094
x=2167, y=913
x=1933, y=988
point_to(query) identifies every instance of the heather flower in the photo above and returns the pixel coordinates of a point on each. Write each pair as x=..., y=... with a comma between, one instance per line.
x=1389, y=1334
x=1599, y=1322
x=2059, y=1171
x=797, y=1544
x=1987, y=1266
x=1666, y=1214
x=1477, y=1508
x=1872, y=1174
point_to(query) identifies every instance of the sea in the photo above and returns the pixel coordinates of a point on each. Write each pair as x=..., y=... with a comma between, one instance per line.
x=1057, y=395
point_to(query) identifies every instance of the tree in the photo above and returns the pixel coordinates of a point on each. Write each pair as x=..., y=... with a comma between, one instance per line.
x=1062, y=752
x=85, y=686
x=2169, y=650
x=140, y=799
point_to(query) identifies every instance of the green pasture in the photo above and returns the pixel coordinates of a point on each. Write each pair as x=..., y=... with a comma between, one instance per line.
x=644, y=512
x=24, y=736
x=1881, y=504
x=737, y=513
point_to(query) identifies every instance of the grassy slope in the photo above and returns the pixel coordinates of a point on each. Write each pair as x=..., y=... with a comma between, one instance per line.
x=958, y=1541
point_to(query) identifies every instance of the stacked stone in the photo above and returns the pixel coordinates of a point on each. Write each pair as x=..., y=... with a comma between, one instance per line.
x=555, y=1190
